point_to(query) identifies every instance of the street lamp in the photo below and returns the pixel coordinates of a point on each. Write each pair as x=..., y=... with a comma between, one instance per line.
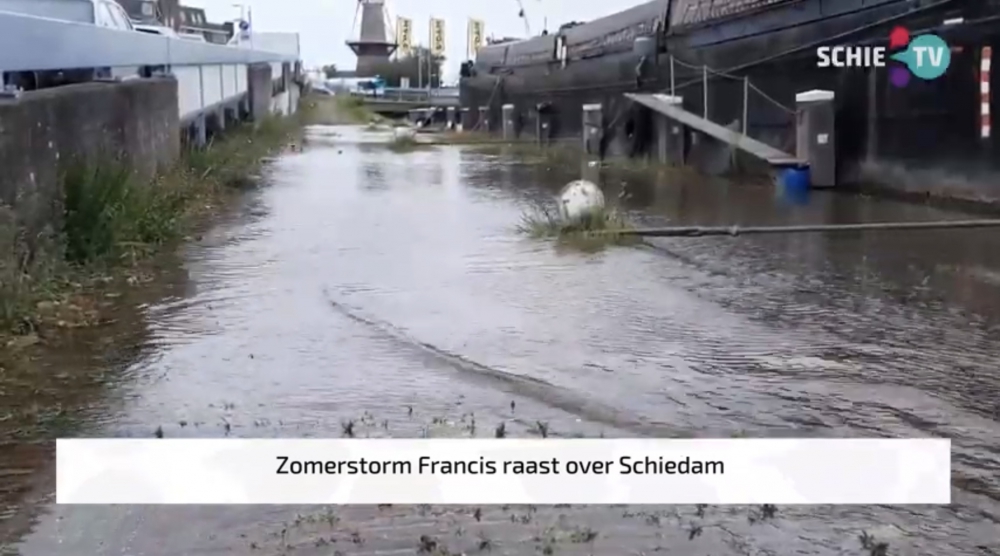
x=246, y=22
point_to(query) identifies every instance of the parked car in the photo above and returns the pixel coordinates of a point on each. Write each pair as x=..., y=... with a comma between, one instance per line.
x=103, y=13
x=159, y=30
x=197, y=37
x=155, y=30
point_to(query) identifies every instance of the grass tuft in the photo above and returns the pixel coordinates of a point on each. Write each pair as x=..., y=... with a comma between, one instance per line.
x=600, y=230
x=111, y=219
x=405, y=143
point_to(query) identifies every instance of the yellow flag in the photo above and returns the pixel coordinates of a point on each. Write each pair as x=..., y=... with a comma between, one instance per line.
x=476, y=28
x=437, y=36
x=404, y=35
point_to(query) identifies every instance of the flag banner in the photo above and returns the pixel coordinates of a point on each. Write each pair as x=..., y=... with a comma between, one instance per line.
x=437, y=37
x=404, y=35
x=476, y=28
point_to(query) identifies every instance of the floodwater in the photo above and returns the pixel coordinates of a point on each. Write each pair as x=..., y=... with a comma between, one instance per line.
x=392, y=289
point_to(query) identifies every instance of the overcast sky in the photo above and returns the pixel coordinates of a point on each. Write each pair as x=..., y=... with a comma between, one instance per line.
x=324, y=25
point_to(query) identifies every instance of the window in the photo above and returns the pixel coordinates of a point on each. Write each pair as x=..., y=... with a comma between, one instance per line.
x=106, y=16
x=118, y=16
x=149, y=9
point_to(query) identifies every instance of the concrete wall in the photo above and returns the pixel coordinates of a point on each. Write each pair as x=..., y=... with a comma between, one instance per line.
x=286, y=103
x=42, y=131
x=259, y=84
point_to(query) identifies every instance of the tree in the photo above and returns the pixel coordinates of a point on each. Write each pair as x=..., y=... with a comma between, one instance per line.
x=330, y=71
x=420, y=66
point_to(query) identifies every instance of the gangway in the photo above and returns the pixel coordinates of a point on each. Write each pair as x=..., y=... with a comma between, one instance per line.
x=672, y=108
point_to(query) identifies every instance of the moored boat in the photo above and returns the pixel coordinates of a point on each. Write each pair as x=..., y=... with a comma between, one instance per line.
x=908, y=135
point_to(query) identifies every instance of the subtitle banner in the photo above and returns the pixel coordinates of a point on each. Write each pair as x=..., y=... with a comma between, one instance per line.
x=503, y=471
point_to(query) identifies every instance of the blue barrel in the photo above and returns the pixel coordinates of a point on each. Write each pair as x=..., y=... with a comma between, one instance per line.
x=795, y=179
x=793, y=185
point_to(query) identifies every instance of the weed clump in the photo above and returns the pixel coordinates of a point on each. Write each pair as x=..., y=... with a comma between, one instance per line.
x=353, y=109
x=109, y=219
x=602, y=228
x=405, y=143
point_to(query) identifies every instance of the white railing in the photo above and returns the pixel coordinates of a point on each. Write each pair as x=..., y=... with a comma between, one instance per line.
x=202, y=87
x=208, y=75
x=29, y=43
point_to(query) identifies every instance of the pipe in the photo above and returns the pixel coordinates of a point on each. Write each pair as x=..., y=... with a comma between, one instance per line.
x=700, y=231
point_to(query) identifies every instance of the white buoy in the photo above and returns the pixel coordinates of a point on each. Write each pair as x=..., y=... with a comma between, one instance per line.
x=580, y=199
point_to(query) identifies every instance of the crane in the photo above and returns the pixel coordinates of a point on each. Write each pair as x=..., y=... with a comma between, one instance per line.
x=521, y=13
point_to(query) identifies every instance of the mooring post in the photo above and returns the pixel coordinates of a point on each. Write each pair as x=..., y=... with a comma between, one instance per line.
x=814, y=136
x=466, y=119
x=484, y=118
x=670, y=135
x=593, y=129
x=704, y=86
x=509, y=132
x=672, y=82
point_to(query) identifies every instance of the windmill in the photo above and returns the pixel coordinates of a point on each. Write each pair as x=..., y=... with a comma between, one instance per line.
x=375, y=42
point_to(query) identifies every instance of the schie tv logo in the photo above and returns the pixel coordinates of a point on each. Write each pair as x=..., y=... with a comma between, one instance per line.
x=925, y=56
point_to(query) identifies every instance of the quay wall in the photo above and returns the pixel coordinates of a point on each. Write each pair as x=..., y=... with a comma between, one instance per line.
x=42, y=131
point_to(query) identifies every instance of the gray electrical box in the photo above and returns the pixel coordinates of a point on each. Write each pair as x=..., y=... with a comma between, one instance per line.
x=814, y=136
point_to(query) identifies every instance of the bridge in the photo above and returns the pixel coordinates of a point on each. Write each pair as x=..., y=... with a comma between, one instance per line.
x=394, y=101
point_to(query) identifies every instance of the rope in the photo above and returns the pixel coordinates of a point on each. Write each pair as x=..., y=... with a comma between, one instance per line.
x=699, y=231
x=489, y=103
x=770, y=99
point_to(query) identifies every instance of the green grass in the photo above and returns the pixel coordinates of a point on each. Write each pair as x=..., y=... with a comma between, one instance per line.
x=405, y=143
x=602, y=229
x=353, y=109
x=111, y=220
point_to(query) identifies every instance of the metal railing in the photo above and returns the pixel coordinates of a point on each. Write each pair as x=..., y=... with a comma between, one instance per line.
x=440, y=97
x=208, y=75
x=706, y=74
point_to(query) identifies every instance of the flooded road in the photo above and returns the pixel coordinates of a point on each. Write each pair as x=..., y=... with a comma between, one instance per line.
x=391, y=291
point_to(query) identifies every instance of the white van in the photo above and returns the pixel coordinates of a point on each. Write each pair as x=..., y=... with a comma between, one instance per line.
x=103, y=13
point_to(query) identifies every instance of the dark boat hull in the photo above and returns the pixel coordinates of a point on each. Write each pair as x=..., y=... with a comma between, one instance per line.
x=928, y=124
